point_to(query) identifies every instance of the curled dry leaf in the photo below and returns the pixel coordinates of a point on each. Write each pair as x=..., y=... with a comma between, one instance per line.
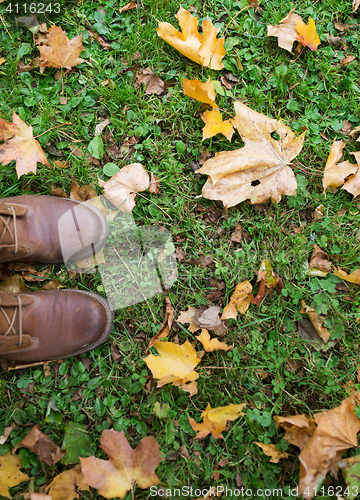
x=271, y=451
x=7, y=432
x=239, y=301
x=125, y=467
x=166, y=324
x=259, y=171
x=10, y=473
x=352, y=185
x=307, y=35
x=153, y=83
x=154, y=185
x=128, y=6
x=204, y=49
x=215, y=419
x=353, y=277
x=299, y=428
x=209, y=318
x=335, y=173
x=188, y=317
x=67, y=485
x=286, y=31
x=268, y=279
x=175, y=364
x=319, y=263
x=316, y=320
x=81, y=193
x=42, y=445
x=101, y=126
x=20, y=146
x=60, y=52
x=121, y=188
x=211, y=345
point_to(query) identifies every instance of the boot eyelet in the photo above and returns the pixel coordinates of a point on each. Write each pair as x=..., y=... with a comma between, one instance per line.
x=17, y=343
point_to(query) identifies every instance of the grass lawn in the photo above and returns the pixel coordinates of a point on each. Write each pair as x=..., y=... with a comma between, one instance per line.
x=271, y=367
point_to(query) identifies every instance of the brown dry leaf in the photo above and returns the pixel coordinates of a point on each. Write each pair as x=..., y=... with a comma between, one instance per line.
x=20, y=146
x=166, y=324
x=299, y=429
x=60, y=52
x=60, y=193
x=355, y=5
x=42, y=445
x=51, y=285
x=208, y=317
x=335, y=173
x=319, y=212
x=259, y=171
x=10, y=473
x=341, y=26
x=353, y=277
x=93, y=261
x=268, y=279
x=128, y=6
x=271, y=451
x=336, y=431
x=316, y=320
x=214, y=124
x=13, y=284
x=99, y=38
x=211, y=345
x=352, y=185
x=203, y=261
x=67, y=485
x=347, y=60
x=83, y=155
x=215, y=419
x=121, y=188
x=188, y=317
x=307, y=35
x=81, y=193
x=319, y=262
x=154, y=185
x=239, y=301
x=175, y=364
x=203, y=92
x=34, y=63
x=286, y=31
x=204, y=49
x=154, y=84
x=61, y=164
x=7, y=432
x=125, y=467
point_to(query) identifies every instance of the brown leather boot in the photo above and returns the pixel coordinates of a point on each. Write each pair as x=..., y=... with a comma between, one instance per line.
x=31, y=228
x=42, y=326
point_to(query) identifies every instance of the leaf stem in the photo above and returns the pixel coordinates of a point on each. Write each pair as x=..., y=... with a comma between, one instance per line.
x=52, y=128
x=296, y=58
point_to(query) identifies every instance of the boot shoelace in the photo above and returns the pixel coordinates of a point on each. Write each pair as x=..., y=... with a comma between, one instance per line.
x=11, y=322
x=7, y=227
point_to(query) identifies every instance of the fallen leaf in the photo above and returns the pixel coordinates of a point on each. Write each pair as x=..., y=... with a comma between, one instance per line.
x=81, y=193
x=51, y=285
x=347, y=60
x=61, y=164
x=208, y=317
x=203, y=92
x=211, y=345
x=335, y=173
x=101, y=126
x=336, y=431
x=271, y=451
x=353, y=277
x=341, y=26
x=319, y=212
x=286, y=31
x=188, y=317
x=10, y=473
x=299, y=429
x=166, y=324
x=259, y=171
x=239, y=301
x=13, y=284
x=307, y=35
x=215, y=419
x=67, y=485
x=30, y=22
x=2, y=60
x=203, y=261
x=7, y=432
x=101, y=39
x=337, y=42
x=60, y=193
x=154, y=185
x=319, y=262
x=175, y=364
x=214, y=124
x=121, y=188
x=128, y=6
x=352, y=185
x=316, y=320
x=268, y=279
x=42, y=445
x=153, y=83
x=20, y=146
x=307, y=331
x=125, y=468
x=204, y=49
x=60, y=52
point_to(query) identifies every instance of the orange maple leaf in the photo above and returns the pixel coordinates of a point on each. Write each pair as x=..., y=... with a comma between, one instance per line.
x=20, y=146
x=215, y=419
x=307, y=35
x=214, y=124
x=60, y=52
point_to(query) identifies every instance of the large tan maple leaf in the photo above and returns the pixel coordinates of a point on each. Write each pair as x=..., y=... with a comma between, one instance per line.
x=20, y=146
x=259, y=171
x=60, y=51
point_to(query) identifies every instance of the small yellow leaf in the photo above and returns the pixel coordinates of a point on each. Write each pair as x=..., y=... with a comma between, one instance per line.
x=239, y=301
x=214, y=124
x=214, y=420
x=307, y=35
x=354, y=277
x=271, y=451
x=203, y=92
x=2, y=60
x=213, y=344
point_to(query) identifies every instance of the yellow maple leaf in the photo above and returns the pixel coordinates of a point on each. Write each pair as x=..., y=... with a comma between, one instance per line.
x=125, y=467
x=20, y=146
x=335, y=173
x=307, y=35
x=60, y=52
x=203, y=92
x=271, y=451
x=215, y=419
x=205, y=49
x=211, y=345
x=258, y=171
x=175, y=364
x=10, y=473
x=214, y=124
x=66, y=485
x=239, y=301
